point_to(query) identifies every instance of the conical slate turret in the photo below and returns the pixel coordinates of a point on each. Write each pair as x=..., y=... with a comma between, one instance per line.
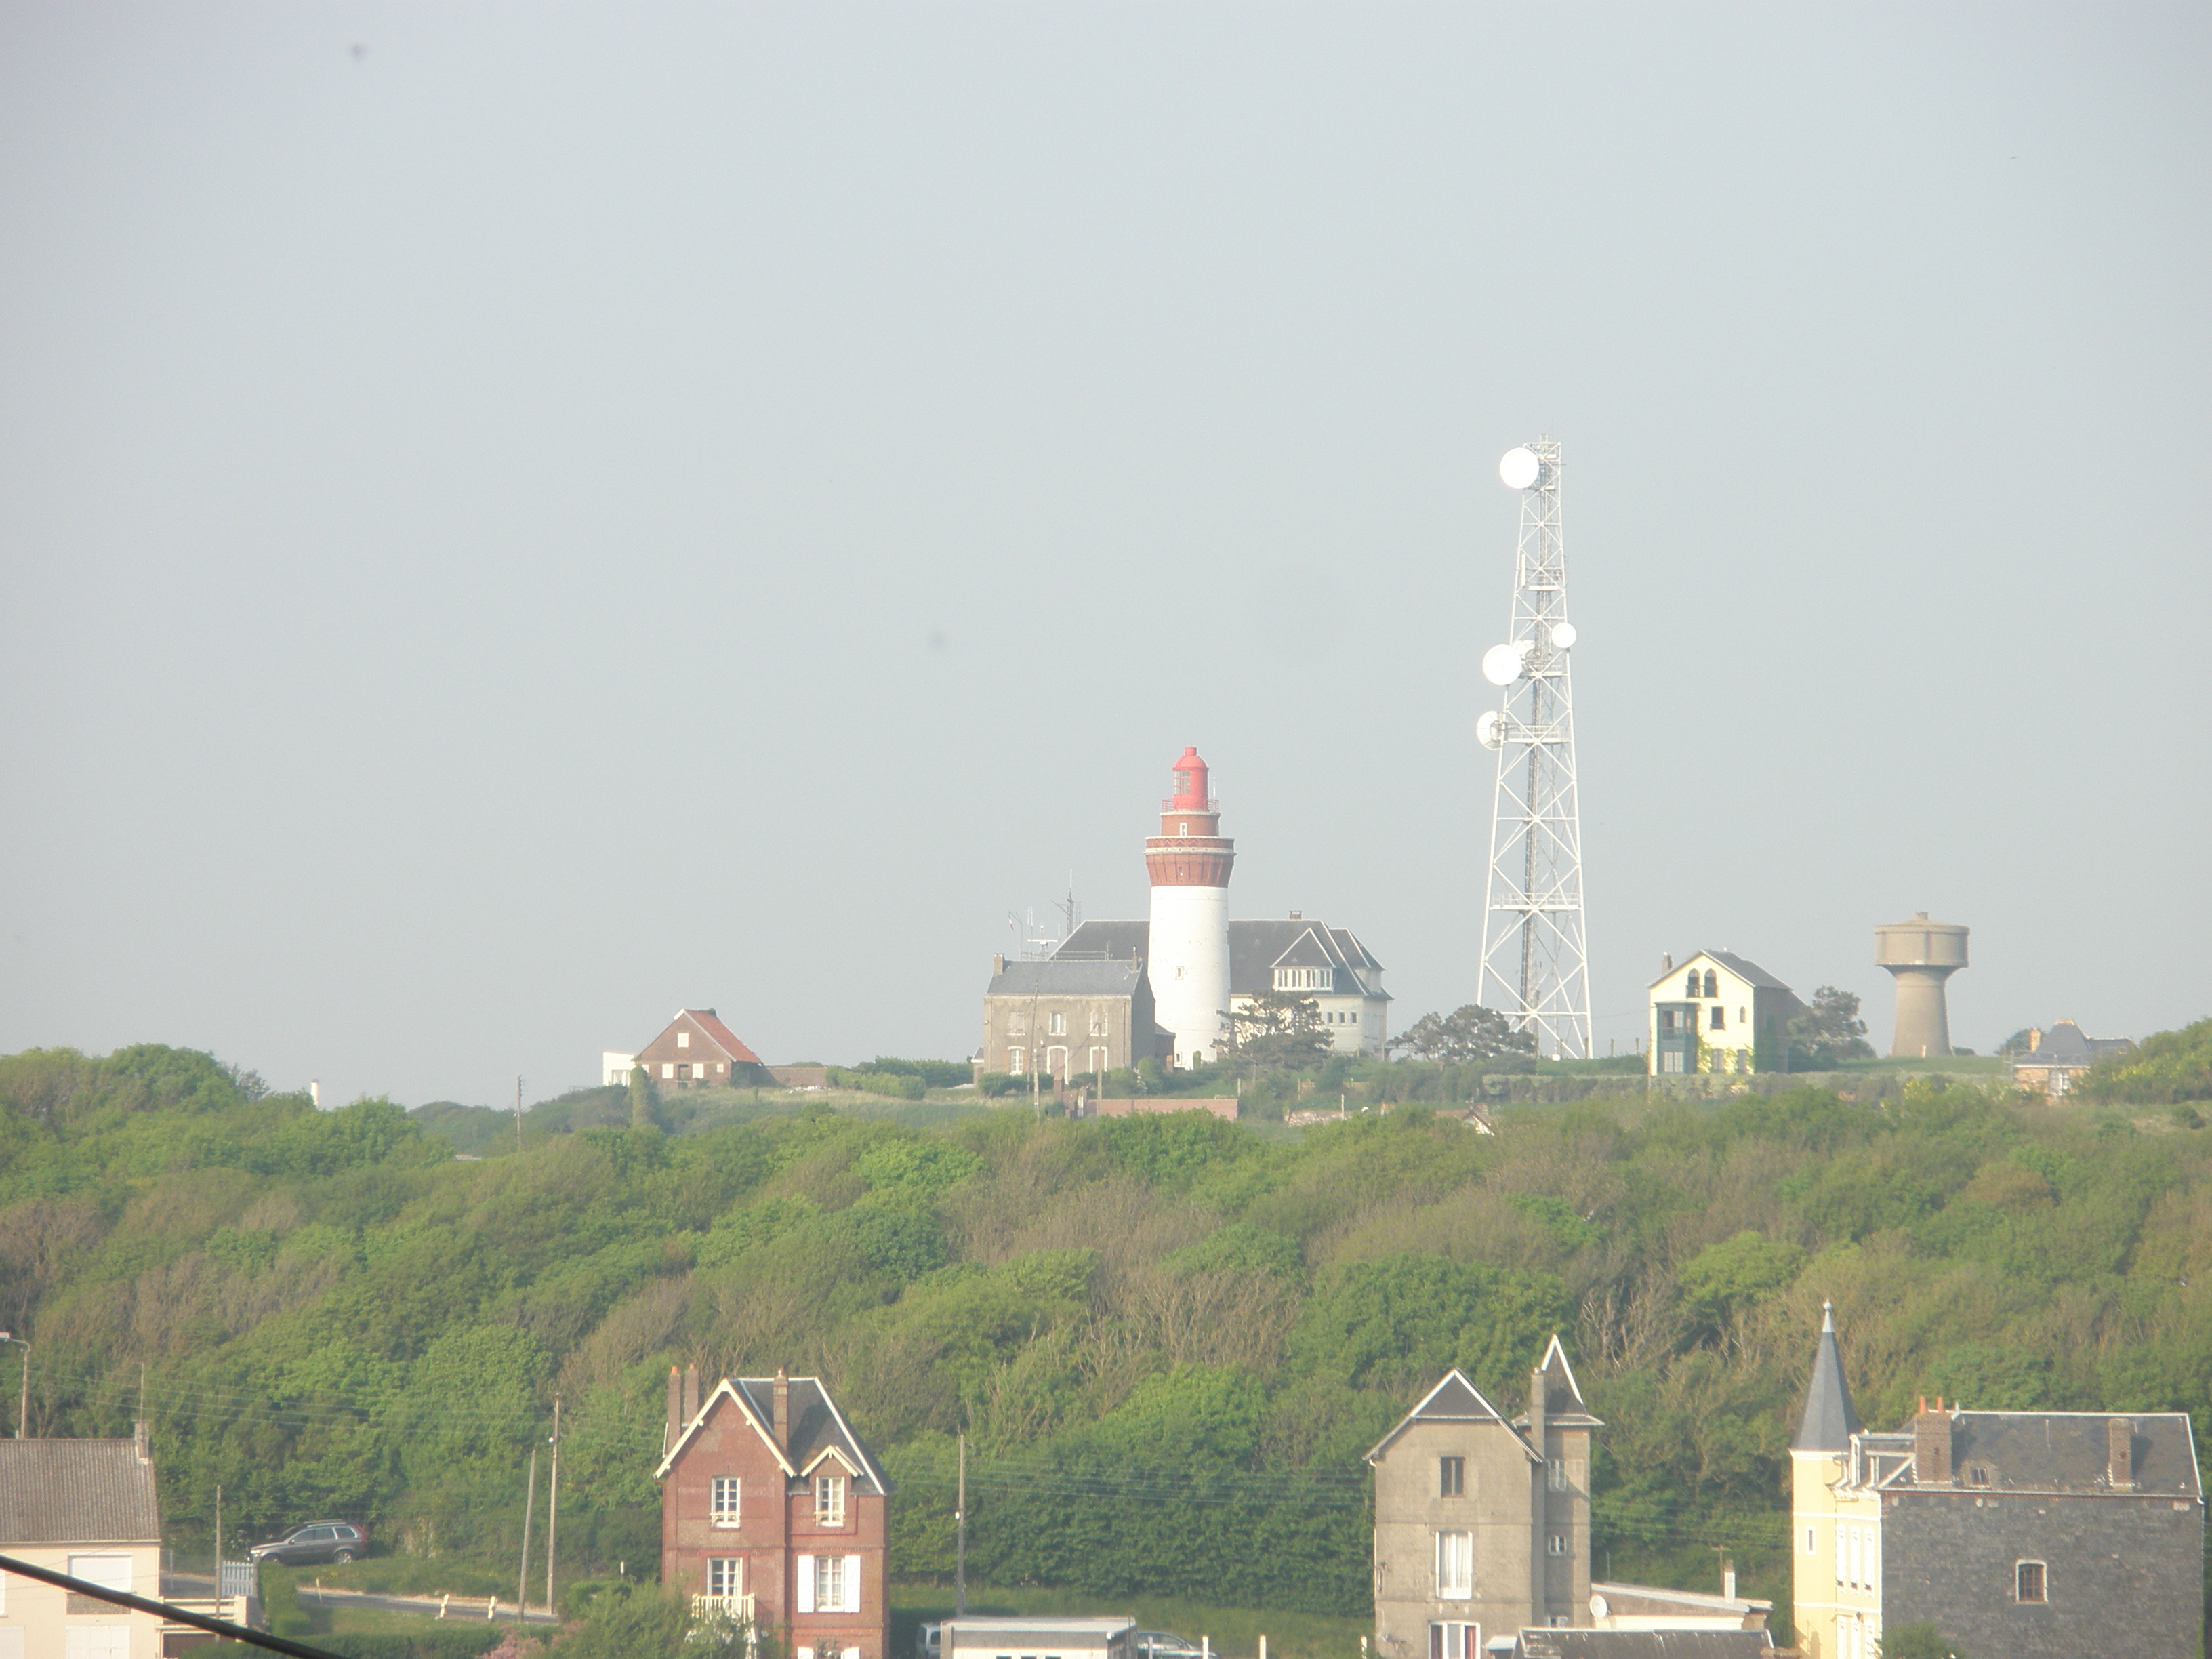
x=1829, y=1422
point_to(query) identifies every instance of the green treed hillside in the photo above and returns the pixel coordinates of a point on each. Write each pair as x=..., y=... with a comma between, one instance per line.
x=1169, y=1339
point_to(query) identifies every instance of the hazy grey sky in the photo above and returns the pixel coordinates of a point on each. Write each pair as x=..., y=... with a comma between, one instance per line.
x=518, y=519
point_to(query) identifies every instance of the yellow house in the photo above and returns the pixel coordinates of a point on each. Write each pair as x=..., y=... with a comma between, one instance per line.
x=1835, y=1541
x=86, y=1508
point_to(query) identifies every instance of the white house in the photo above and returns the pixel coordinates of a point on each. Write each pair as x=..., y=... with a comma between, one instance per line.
x=86, y=1508
x=1718, y=1012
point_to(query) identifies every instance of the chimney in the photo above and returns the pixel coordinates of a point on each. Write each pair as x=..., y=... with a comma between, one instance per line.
x=144, y=1444
x=1728, y=1580
x=1931, y=1444
x=1539, y=1392
x=674, y=1411
x=2120, y=1454
x=2034, y=1038
x=1666, y=961
x=691, y=1391
x=782, y=1410
x=997, y=965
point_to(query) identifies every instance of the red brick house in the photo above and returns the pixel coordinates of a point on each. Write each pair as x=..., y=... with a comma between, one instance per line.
x=698, y=1051
x=772, y=1509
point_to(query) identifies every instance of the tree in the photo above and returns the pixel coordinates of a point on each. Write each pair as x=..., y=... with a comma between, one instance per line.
x=1278, y=1031
x=2014, y=1045
x=644, y=1101
x=1473, y=1032
x=1827, y=1029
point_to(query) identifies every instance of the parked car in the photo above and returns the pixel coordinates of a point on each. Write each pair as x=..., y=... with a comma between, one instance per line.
x=928, y=1641
x=1161, y=1644
x=319, y=1541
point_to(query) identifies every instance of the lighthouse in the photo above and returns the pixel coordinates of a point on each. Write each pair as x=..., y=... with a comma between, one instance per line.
x=1187, y=940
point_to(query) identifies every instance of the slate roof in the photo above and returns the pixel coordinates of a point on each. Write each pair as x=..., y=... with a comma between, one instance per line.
x=76, y=1491
x=1454, y=1399
x=1256, y=948
x=2063, y=1044
x=2065, y=1452
x=1644, y=1643
x=1742, y=967
x=1829, y=1421
x=1062, y=976
x=816, y=1426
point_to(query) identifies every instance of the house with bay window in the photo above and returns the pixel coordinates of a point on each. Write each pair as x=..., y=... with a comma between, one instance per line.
x=774, y=1513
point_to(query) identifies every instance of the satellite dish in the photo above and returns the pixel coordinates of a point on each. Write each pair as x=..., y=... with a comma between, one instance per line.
x=1562, y=635
x=1520, y=468
x=1502, y=663
x=1489, y=729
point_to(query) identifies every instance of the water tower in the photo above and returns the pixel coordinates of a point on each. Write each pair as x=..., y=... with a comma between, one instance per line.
x=1922, y=954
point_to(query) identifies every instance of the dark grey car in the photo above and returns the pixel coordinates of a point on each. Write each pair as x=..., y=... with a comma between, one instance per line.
x=319, y=1541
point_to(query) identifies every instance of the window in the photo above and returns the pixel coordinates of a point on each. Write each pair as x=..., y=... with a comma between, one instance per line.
x=725, y=1576
x=1098, y=1022
x=829, y=1584
x=1555, y=1545
x=667, y=1070
x=1743, y=1016
x=1355, y=1016
x=98, y=1642
x=1858, y=1557
x=1455, y=1565
x=1977, y=1474
x=684, y=1039
x=1453, y=1640
x=1808, y=1541
x=2027, y=1580
x=722, y=1501
x=1017, y=1061
x=1842, y=1554
x=1719, y=1021
x=1017, y=1024
x=1712, y=983
x=1098, y=1058
x=1671, y=1061
x=830, y=1500
x=1555, y=1473
x=1056, y=1024
x=1690, y=985
x=1451, y=1477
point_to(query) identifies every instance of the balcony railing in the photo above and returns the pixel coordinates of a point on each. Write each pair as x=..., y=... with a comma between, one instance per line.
x=1170, y=804
x=738, y=1608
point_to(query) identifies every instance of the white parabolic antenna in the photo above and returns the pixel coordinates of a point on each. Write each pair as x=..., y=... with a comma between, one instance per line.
x=1520, y=468
x=1562, y=635
x=1486, y=732
x=1501, y=664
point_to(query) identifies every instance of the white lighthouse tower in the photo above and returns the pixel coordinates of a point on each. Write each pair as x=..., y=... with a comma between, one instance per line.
x=1189, y=862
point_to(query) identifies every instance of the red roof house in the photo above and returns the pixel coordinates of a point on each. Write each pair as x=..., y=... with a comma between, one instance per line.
x=698, y=1051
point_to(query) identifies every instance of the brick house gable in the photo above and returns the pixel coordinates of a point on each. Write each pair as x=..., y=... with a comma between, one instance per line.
x=697, y=1050
x=773, y=1509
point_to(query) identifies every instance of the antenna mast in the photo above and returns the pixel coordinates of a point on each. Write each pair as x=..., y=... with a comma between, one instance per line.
x=1535, y=963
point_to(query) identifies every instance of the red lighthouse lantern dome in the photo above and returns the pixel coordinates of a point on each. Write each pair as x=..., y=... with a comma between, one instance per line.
x=1190, y=794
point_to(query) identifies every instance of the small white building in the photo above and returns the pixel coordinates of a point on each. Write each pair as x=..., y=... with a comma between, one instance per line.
x=1718, y=1012
x=1036, y=1638
x=615, y=1069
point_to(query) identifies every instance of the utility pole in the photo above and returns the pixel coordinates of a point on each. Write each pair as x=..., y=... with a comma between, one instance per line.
x=529, y=1503
x=218, y=1546
x=553, y=1505
x=960, y=1538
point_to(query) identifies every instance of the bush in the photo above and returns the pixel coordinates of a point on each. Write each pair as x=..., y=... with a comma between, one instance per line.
x=995, y=1083
x=448, y=1644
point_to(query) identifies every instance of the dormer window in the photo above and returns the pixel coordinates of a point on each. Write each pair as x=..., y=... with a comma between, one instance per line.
x=830, y=1500
x=1977, y=1474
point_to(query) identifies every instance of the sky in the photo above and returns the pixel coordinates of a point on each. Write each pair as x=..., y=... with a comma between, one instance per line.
x=516, y=519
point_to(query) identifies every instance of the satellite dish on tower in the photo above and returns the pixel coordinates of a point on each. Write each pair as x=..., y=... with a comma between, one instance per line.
x=1563, y=636
x=1502, y=664
x=1520, y=468
x=1489, y=729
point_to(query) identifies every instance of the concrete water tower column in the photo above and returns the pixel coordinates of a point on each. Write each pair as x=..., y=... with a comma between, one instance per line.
x=1921, y=954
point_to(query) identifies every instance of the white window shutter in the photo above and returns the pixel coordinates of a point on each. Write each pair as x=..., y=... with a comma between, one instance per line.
x=852, y=1583
x=807, y=1584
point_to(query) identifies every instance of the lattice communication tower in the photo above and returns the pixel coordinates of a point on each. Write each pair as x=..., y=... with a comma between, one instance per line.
x=1534, y=958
